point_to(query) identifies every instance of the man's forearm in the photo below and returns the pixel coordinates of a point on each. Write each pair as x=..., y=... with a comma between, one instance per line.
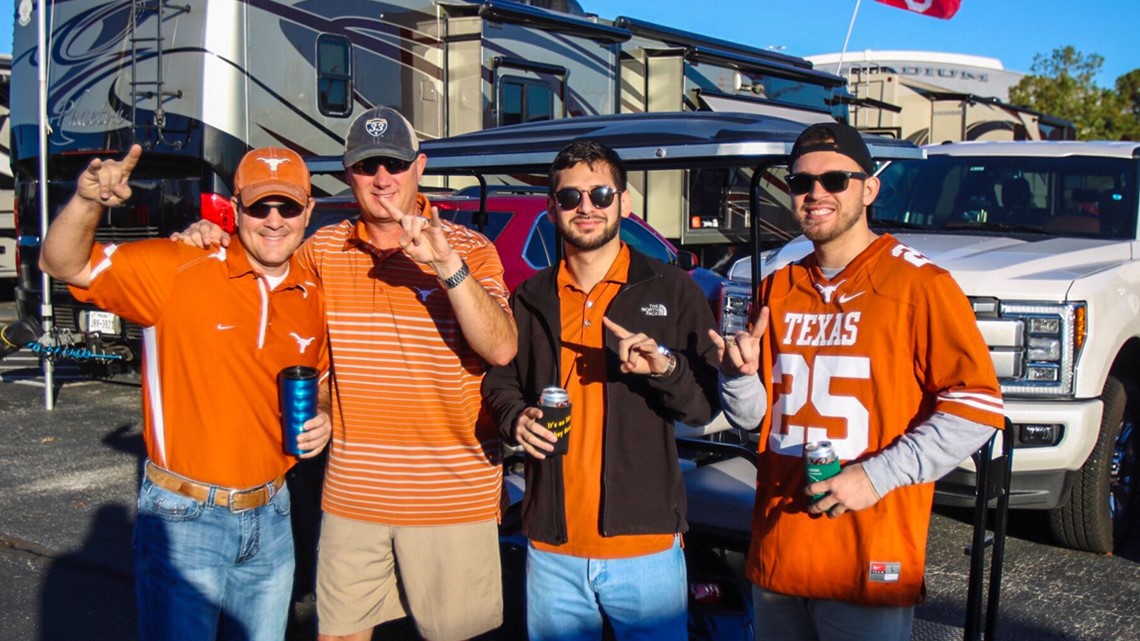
x=743, y=400
x=926, y=453
x=67, y=244
x=486, y=326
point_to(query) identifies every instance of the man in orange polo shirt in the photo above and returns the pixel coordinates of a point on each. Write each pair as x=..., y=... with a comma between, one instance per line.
x=627, y=337
x=213, y=542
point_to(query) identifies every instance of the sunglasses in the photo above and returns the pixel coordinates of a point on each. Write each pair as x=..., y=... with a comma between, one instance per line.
x=833, y=181
x=262, y=208
x=600, y=197
x=369, y=166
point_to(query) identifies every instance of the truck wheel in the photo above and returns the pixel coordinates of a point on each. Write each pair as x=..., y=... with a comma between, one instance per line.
x=1104, y=497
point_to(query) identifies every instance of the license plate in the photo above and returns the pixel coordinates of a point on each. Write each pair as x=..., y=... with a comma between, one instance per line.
x=102, y=322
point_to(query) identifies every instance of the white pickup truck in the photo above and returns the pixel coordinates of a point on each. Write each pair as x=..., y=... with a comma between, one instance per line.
x=1042, y=237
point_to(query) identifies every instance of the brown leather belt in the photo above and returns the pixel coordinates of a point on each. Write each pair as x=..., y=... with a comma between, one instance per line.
x=235, y=500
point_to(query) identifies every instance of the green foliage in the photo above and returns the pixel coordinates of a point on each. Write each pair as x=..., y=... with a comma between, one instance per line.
x=1062, y=84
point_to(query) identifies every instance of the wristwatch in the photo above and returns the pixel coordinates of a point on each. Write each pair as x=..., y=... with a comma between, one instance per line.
x=671, y=367
x=453, y=281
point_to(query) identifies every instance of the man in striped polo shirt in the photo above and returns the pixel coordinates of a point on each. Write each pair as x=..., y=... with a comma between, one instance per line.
x=417, y=310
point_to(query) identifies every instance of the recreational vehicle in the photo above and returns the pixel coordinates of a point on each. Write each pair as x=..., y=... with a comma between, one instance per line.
x=7, y=213
x=197, y=83
x=931, y=97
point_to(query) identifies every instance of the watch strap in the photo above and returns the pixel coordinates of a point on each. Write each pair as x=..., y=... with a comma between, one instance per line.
x=453, y=281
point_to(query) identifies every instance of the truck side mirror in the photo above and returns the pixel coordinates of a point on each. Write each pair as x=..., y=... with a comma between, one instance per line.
x=687, y=260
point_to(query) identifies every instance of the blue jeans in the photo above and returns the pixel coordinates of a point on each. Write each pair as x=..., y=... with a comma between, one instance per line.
x=203, y=572
x=780, y=617
x=643, y=597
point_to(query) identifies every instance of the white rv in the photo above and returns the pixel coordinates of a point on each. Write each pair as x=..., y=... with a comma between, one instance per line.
x=930, y=97
x=199, y=82
x=7, y=213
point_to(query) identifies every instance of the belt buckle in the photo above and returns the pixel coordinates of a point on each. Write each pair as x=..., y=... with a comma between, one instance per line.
x=232, y=500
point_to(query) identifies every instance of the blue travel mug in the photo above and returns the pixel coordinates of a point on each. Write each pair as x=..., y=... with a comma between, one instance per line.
x=297, y=391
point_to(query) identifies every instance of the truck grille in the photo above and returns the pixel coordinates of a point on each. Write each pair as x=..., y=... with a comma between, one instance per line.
x=1006, y=340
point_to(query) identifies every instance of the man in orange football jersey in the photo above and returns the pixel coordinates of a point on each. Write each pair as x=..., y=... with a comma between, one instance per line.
x=867, y=344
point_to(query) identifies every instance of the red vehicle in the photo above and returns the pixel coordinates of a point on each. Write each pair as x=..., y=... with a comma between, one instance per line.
x=515, y=220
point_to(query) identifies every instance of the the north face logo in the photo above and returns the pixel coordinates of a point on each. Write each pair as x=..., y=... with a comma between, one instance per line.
x=376, y=127
x=655, y=309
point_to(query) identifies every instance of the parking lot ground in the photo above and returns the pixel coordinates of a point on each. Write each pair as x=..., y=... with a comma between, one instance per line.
x=67, y=501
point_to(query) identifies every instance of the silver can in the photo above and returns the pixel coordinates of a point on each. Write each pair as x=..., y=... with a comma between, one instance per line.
x=820, y=463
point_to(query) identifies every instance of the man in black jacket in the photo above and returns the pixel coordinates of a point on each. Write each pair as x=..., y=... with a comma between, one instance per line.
x=628, y=338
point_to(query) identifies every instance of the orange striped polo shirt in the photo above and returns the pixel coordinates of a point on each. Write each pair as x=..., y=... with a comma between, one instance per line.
x=411, y=444
x=214, y=338
x=583, y=373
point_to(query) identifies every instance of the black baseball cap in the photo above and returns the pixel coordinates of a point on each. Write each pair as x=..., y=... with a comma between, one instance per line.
x=833, y=136
x=380, y=131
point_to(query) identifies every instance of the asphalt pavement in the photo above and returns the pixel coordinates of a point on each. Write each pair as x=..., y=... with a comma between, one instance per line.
x=67, y=502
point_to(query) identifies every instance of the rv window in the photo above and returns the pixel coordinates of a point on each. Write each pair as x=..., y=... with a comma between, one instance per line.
x=522, y=100
x=334, y=75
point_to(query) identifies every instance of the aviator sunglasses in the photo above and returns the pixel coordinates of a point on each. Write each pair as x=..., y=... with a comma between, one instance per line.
x=600, y=197
x=287, y=208
x=833, y=181
x=369, y=166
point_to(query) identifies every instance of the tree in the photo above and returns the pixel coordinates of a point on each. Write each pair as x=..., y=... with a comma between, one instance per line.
x=1128, y=86
x=1063, y=85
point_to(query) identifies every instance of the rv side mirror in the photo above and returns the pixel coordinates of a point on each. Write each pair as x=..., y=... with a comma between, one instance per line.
x=687, y=260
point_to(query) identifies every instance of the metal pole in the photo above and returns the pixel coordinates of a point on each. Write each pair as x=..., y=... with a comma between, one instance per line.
x=850, y=28
x=46, y=312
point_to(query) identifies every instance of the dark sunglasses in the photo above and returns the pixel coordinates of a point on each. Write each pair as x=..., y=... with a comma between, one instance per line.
x=287, y=209
x=369, y=166
x=833, y=181
x=600, y=197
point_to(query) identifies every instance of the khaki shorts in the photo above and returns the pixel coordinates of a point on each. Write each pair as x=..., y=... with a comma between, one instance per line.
x=447, y=577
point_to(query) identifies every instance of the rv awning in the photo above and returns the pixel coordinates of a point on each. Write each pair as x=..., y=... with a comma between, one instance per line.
x=645, y=141
x=666, y=140
x=743, y=105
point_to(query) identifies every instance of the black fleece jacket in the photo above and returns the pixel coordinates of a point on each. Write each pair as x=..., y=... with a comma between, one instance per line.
x=642, y=488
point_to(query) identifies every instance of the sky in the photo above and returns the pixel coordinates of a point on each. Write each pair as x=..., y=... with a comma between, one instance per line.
x=1013, y=31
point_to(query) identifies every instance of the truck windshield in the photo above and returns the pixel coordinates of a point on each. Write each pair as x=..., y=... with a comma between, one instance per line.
x=1067, y=196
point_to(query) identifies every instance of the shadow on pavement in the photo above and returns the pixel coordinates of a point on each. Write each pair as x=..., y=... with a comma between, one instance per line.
x=83, y=597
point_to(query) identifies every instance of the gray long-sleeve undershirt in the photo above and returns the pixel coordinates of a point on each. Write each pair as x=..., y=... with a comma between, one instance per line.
x=925, y=453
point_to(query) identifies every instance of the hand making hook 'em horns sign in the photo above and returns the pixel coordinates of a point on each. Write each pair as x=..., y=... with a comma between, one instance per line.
x=639, y=353
x=739, y=354
x=104, y=182
x=424, y=239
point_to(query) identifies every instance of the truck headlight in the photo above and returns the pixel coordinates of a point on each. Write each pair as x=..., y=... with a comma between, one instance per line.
x=1053, y=337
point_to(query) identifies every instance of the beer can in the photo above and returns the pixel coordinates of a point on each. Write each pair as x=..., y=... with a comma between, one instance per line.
x=821, y=463
x=555, y=405
x=297, y=394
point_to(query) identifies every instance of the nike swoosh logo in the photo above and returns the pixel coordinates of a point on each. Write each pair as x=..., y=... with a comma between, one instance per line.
x=844, y=298
x=222, y=327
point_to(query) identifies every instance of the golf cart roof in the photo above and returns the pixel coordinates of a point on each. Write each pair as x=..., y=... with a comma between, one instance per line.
x=660, y=140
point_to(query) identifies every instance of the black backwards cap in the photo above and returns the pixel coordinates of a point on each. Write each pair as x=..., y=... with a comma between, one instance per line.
x=833, y=136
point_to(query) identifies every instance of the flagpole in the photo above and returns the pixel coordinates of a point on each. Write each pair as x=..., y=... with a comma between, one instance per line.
x=850, y=28
x=46, y=312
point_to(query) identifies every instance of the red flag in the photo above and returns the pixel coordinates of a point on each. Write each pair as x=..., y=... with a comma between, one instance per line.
x=944, y=9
